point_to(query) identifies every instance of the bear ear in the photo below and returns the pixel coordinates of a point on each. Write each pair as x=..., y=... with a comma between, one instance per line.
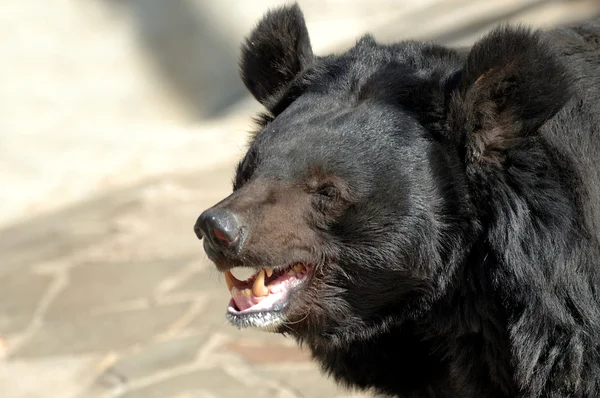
x=511, y=84
x=276, y=51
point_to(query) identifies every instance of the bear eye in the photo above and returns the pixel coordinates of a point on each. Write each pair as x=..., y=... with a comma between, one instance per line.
x=327, y=192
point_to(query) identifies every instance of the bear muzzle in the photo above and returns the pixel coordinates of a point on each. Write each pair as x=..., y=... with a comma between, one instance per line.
x=222, y=231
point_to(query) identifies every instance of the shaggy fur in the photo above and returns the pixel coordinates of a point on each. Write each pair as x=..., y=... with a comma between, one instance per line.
x=450, y=202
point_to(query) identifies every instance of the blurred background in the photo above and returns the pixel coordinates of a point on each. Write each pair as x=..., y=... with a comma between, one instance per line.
x=120, y=120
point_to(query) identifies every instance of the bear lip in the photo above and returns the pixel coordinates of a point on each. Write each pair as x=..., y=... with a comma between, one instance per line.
x=265, y=291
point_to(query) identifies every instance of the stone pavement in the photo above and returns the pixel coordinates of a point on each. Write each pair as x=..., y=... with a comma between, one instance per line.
x=104, y=289
x=114, y=298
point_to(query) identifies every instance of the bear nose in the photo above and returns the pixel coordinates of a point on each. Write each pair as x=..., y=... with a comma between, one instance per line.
x=221, y=227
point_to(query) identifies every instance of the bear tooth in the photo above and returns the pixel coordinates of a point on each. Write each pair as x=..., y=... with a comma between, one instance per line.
x=269, y=271
x=247, y=292
x=229, y=280
x=258, y=288
x=298, y=267
x=232, y=281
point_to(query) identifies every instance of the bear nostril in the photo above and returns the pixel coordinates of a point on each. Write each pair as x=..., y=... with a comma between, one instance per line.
x=221, y=237
x=221, y=227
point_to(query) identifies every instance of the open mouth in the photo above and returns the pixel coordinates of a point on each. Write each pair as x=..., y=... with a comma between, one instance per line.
x=259, y=300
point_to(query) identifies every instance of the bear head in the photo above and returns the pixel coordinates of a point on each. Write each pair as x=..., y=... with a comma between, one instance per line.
x=360, y=199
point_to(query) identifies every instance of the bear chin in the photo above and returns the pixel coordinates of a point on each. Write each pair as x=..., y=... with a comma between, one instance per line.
x=269, y=321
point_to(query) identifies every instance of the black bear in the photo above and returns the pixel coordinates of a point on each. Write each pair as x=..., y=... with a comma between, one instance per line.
x=425, y=220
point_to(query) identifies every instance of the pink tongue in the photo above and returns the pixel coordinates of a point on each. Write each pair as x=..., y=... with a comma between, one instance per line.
x=244, y=302
x=277, y=290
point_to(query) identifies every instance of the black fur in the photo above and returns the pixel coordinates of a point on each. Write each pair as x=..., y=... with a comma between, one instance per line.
x=271, y=61
x=450, y=202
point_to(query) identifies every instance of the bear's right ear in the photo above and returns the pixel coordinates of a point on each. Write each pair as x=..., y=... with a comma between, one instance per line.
x=275, y=52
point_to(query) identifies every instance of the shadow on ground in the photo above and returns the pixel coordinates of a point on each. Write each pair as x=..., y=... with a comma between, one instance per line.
x=190, y=50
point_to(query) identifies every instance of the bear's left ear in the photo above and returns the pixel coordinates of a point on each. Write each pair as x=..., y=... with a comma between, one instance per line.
x=276, y=51
x=512, y=83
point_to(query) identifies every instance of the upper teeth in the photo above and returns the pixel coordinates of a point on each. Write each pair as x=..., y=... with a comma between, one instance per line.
x=258, y=287
x=230, y=280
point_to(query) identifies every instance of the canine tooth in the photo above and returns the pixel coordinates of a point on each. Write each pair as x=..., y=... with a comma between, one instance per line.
x=298, y=267
x=269, y=271
x=228, y=280
x=258, y=288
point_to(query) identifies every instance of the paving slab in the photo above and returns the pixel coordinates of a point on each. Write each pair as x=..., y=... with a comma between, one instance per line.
x=156, y=357
x=139, y=302
x=19, y=298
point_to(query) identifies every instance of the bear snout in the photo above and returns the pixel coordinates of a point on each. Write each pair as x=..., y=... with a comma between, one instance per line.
x=222, y=231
